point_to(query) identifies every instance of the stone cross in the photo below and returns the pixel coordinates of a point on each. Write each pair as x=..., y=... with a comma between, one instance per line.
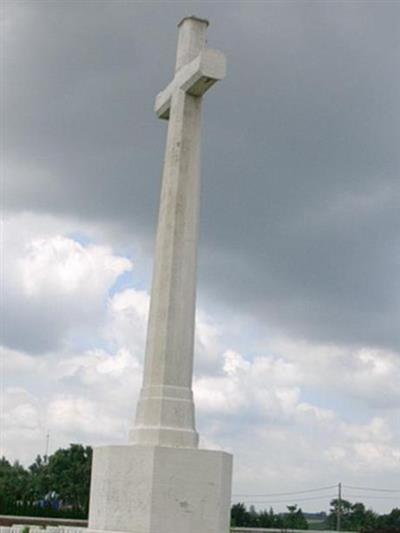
x=161, y=482
x=165, y=411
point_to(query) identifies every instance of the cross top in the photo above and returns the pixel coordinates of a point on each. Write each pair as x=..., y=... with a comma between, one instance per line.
x=193, y=17
x=197, y=67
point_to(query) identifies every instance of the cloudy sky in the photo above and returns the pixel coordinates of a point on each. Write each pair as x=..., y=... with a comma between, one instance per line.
x=298, y=337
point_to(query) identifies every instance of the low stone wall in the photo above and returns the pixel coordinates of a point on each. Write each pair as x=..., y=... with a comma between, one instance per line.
x=17, y=524
x=7, y=520
x=257, y=530
x=34, y=528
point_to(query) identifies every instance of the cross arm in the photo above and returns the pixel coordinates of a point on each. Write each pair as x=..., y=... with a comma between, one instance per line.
x=195, y=78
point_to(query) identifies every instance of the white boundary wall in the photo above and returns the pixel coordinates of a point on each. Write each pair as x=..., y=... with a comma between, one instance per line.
x=70, y=529
x=274, y=530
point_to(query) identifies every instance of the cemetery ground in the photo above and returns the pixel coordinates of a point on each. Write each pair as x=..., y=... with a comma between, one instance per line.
x=54, y=490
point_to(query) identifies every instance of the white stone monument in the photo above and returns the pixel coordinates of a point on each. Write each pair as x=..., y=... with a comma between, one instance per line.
x=161, y=482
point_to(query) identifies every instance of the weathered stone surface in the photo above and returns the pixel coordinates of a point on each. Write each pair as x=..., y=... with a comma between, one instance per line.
x=145, y=489
x=165, y=412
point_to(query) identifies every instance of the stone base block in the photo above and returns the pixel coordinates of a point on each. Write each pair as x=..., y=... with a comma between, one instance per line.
x=156, y=489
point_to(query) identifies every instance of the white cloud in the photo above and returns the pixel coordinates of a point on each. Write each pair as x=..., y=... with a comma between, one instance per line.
x=267, y=386
x=20, y=362
x=208, y=346
x=275, y=410
x=252, y=407
x=63, y=267
x=256, y=407
x=78, y=415
x=21, y=423
x=373, y=446
x=53, y=285
x=368, y=375
x=20, y=409
x=127, y=320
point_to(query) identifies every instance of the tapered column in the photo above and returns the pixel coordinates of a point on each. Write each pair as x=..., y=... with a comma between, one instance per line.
x=165, y=412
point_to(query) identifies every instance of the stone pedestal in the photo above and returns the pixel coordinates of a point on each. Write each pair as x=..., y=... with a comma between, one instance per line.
x=157, y=489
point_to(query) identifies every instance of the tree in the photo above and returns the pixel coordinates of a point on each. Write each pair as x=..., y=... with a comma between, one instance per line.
x=266, y=518
x=69, y=475
x=345, y=511
x=39, y=482
x=253, y=515
x=13, y=482
x=392, y=519
x=295, y=519
x=240, y=517
x=389, y=523
x=44, y=486
x=360, y=517
x=354, y=516
x=7, y=491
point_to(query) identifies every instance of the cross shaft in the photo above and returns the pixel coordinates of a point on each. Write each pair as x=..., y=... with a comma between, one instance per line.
x=165, y=412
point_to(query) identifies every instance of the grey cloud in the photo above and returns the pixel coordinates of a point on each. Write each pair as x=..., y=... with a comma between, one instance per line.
x=301, y=168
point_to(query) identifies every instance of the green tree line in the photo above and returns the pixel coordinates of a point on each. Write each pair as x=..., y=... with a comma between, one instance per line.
x=354, y=517
x=54, y=486
x=293, y=519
